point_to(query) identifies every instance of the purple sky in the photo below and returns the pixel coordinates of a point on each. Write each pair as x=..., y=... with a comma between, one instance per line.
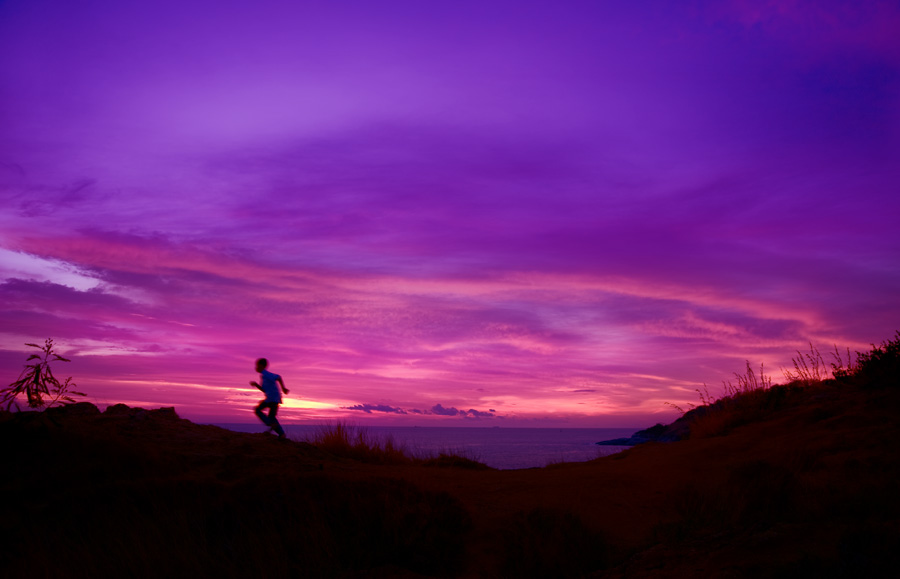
x=481, y=213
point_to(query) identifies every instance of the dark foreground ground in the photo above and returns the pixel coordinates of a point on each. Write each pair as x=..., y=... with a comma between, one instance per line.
x=805, y=485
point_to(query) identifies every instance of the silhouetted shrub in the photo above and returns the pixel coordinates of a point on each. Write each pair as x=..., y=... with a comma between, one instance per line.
x=877, y=368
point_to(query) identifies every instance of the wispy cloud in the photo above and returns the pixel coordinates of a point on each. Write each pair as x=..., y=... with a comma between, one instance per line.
x=370, y=408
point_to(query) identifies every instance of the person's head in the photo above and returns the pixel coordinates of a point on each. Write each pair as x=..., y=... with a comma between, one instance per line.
x=261, y=364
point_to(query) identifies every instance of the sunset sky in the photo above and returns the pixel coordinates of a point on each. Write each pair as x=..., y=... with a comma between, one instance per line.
x=487, y=213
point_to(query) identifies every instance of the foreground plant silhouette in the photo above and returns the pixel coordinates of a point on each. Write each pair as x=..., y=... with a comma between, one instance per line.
x=37, y=381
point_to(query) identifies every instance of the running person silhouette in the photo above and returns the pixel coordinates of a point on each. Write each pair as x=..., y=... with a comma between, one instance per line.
x=268, y=383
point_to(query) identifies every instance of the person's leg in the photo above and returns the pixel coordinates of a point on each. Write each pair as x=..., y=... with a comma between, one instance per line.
x=259, y=412
x=273, y=421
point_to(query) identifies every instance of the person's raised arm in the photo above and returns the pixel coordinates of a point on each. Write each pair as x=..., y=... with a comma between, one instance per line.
x=256, y=385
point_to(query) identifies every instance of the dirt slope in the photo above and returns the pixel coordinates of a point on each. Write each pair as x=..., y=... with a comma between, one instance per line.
x=807, y=488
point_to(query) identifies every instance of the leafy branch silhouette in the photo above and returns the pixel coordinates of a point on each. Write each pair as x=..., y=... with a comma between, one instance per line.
x=37, y=381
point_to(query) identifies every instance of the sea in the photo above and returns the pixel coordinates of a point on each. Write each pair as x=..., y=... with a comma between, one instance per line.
x=497, y=447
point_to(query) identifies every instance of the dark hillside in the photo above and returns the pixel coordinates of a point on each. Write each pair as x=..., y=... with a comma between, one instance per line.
x=797, y=480
x=137, y=492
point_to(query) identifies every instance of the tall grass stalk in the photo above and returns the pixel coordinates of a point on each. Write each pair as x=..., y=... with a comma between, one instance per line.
x=838, y=368
x=748, y=382
x=809, y=368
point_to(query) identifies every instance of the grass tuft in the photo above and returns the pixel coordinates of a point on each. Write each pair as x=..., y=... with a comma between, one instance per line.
x=346, y=440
